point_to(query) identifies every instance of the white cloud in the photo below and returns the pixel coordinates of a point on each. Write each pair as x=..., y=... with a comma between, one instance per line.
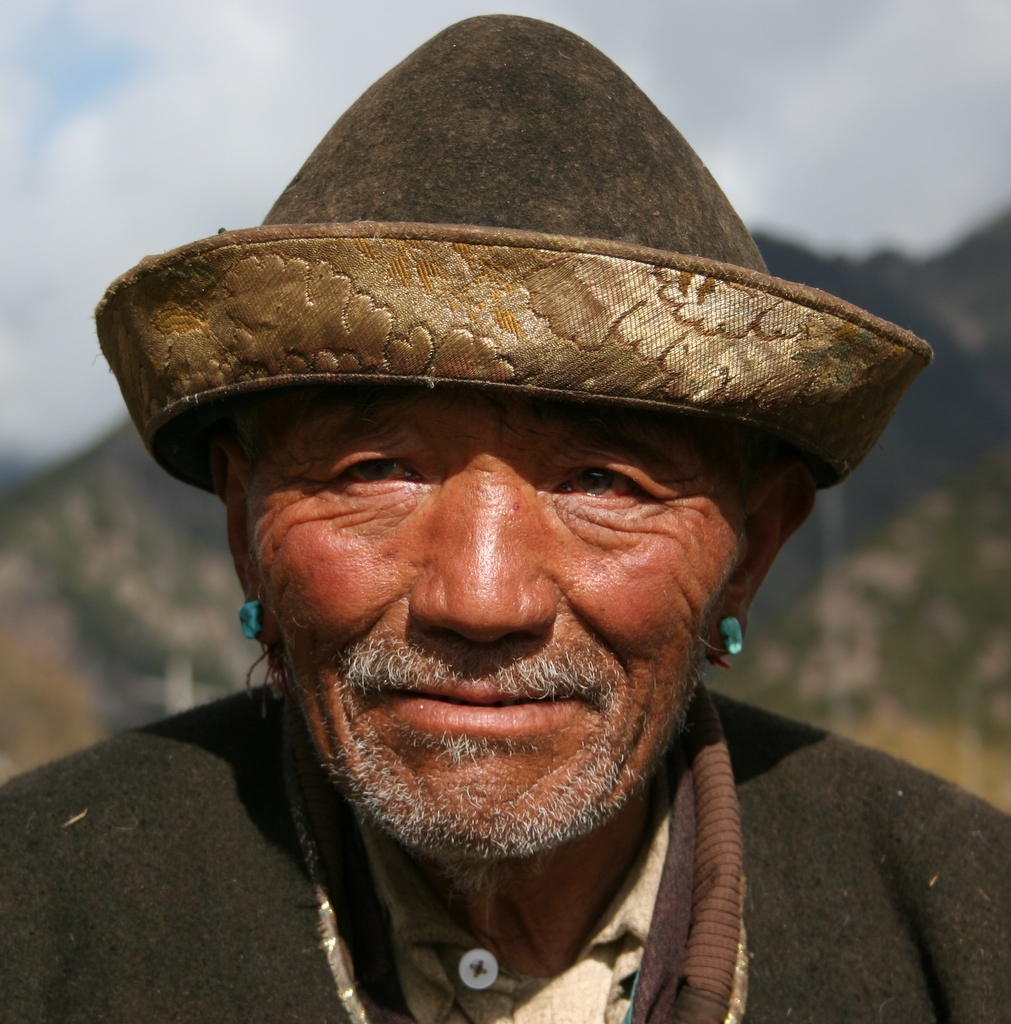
x=130, y=128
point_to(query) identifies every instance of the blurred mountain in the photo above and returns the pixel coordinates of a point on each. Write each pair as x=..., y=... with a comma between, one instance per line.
x=966, y=290
x=888, y=616
x=956, y=411
x=120, y=576
x=906, y=642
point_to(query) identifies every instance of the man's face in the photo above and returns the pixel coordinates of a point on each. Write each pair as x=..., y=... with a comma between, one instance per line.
x=493, y=610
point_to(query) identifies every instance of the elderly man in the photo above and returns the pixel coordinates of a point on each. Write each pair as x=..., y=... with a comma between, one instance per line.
x=509, y=423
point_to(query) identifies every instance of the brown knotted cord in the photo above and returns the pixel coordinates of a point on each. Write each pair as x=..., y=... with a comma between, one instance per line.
x=711, y=956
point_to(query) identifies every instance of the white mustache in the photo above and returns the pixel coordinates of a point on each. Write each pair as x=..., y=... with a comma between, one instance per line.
x=379, y=665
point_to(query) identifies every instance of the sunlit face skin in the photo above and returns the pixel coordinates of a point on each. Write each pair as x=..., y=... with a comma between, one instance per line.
x=478, y=536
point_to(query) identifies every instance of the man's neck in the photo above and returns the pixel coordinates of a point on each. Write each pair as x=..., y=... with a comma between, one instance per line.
x=539, y=917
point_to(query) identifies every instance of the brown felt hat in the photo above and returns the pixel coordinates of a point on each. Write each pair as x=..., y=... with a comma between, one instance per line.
x=504, y=209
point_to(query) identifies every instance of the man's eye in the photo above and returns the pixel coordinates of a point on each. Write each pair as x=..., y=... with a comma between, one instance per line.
x=378, y=469
x=600, y=481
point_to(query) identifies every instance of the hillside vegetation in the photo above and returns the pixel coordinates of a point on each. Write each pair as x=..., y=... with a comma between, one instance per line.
x=906, y=643
x=888, y=617
x=118, y=577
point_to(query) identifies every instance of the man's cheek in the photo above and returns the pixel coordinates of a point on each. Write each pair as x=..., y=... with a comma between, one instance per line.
x=337, y=578
x=656, y=596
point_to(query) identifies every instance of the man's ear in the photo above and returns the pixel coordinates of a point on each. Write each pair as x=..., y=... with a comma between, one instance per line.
x=777, y=503
x=231, y=472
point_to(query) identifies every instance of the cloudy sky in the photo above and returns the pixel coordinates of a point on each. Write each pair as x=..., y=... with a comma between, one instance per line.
x=128, y=127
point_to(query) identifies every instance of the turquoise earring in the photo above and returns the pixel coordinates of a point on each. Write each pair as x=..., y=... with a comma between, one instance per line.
x=731, y=635
x=251, y=617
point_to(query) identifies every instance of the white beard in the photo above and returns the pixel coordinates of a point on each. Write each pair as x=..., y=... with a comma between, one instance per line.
x=464, y=821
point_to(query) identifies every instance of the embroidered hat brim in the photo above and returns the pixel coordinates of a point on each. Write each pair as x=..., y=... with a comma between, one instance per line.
x=578, y=319
x=505, y=209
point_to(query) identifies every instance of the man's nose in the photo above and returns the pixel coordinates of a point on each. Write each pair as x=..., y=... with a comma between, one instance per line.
x=488, y=546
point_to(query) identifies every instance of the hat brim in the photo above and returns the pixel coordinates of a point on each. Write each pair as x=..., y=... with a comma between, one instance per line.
x=193, y=331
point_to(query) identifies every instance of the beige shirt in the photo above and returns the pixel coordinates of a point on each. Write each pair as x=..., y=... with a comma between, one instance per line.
x=428, y=944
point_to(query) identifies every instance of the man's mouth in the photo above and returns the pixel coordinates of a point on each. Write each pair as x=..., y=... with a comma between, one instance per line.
x=479, y=711
x=479, y=700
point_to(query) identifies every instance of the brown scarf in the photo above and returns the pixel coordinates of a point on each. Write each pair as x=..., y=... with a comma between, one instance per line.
x=694, y=966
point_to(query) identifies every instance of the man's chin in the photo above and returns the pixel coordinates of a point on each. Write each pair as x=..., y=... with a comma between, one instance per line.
x=471, y=806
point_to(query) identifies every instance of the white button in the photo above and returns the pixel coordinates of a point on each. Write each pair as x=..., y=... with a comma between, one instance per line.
x=478, y=969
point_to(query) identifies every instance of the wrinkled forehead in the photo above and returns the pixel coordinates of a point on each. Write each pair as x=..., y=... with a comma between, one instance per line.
x=311, y=421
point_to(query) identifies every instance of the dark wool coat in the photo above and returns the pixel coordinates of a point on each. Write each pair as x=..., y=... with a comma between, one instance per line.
x=876, y=893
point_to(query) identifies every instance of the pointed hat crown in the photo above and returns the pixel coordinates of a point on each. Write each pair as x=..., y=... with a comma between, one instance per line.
x=508, y=122
x=504, y=209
